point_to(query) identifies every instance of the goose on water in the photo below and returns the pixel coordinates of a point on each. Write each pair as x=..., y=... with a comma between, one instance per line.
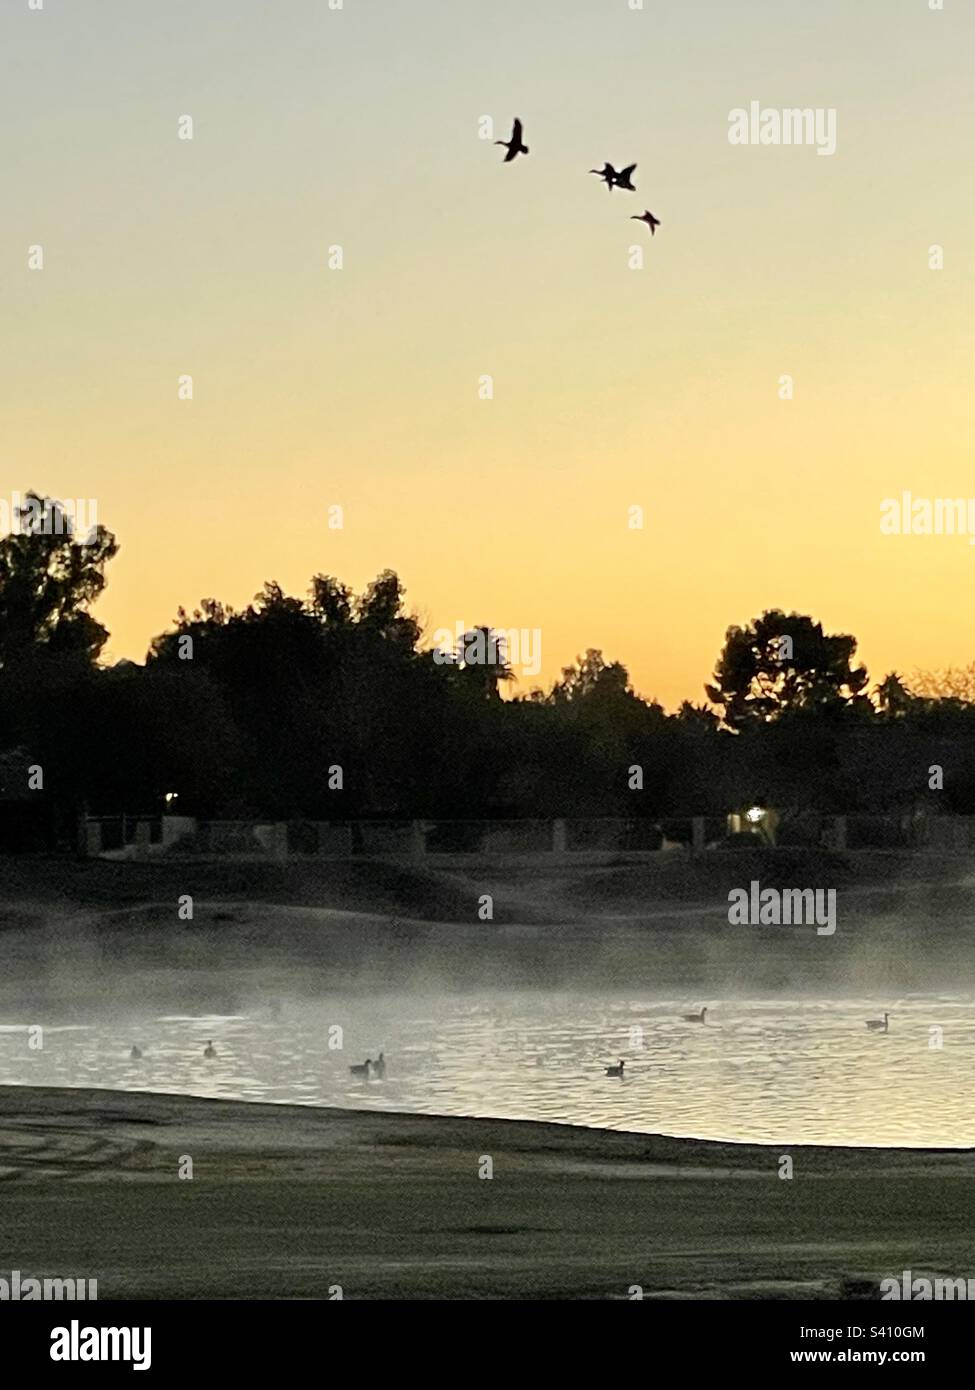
x=616, y=1071
x=364, y=1070
x=696, y=1018
x=210, y=1051
x=878, y=1025
x=136, y=1053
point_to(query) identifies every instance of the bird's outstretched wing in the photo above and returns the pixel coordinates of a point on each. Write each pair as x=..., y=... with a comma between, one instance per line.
x=512, y=154
x=625, y=173
x=516, y=132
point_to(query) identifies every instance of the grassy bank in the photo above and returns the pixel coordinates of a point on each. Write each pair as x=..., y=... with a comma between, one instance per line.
x=287, y=1201
x=903, y=923
x=543, y=890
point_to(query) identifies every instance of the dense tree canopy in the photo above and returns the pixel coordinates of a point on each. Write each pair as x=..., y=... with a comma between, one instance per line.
x=783, y=664
x=329, y=706
x=48, y=581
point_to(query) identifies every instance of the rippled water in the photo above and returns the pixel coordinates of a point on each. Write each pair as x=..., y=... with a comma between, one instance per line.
x=801, y=1071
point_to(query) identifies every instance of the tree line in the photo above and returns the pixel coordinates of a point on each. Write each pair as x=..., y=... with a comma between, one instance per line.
x=328, y=706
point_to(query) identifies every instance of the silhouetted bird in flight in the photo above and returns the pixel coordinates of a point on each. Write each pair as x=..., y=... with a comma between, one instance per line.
x=608, y=174
x=514, y=145
x=614, y=179
x=648, y=217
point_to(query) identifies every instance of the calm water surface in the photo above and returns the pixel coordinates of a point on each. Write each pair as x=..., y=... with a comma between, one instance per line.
x=777, y=1070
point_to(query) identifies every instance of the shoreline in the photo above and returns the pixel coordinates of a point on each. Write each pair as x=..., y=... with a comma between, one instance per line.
x=290, y=1201
x=443, y=1119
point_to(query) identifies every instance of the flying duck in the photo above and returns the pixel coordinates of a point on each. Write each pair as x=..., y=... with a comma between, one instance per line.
x=648, y=217
x=514, y=145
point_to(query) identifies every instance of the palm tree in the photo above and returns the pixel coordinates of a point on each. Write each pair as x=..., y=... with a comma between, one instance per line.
x=482, y=662
x=893, y=697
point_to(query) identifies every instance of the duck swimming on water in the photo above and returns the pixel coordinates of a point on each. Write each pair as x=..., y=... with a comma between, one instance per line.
x=696, y=1018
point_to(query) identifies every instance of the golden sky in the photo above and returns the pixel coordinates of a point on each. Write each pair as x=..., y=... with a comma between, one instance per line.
x=613, y=387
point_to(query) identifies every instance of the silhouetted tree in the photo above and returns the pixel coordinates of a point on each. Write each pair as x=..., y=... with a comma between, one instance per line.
x=244, y=713
x=894, y=700
x=783, y=664
x=48, y=581
x=481, y=663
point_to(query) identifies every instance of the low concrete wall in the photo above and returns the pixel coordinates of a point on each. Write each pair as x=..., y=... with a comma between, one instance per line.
x=580, y=840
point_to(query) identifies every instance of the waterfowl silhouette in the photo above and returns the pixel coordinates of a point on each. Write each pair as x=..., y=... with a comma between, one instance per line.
x=135, y=1054
x=380, y=1067
x=879, y=1025
x=616, y=178
x=608, y=175
x=695, y=1018
x=514, y=145
x=648, y=217
x=616, y=1071
x=210, y=1051
x=364, y=1070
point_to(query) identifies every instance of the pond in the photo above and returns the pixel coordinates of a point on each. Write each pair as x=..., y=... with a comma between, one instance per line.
x=778, y=1070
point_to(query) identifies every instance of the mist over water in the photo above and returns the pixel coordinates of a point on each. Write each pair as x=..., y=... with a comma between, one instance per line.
x=799, y=1069
x=516, y=1022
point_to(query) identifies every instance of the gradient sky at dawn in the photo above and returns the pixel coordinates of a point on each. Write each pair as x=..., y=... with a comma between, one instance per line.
x=613, y=387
